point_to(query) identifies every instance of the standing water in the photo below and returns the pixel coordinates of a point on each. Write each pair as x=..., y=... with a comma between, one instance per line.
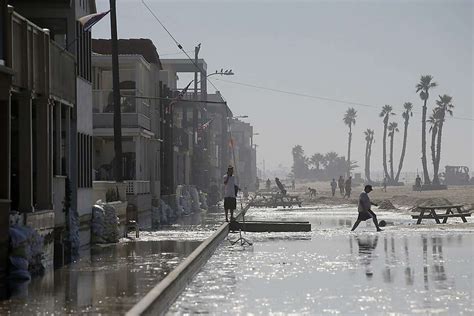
x=110, y=279
x=406, y=269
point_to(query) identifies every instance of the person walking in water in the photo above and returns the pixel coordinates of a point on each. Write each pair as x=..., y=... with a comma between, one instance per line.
x=364, y=209
x=333, y=186
x=340, y=184
x=230, y=193
x=348, y=187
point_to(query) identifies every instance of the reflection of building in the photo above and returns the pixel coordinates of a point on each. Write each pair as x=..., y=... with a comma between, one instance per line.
x=244, y=152
x=140, y=91
x=47, y=120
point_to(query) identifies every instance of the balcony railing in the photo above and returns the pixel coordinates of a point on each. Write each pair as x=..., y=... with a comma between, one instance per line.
x=138, y=187
x=40, y=65
x=135, y=111
x=63, y=73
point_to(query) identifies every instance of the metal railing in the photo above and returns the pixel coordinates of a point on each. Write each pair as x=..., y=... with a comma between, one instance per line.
x=103, y=102
x=137, y=187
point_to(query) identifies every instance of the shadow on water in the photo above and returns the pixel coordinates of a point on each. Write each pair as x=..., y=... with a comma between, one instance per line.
x=110, y=280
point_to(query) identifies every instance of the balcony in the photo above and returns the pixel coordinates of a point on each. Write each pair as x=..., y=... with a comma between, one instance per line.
x=135, y=111
x=40, y=65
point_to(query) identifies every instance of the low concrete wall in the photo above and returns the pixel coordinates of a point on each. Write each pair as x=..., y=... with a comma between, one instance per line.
x=160, y=298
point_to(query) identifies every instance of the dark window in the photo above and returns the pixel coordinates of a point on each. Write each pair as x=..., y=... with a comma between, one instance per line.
x=83, y=53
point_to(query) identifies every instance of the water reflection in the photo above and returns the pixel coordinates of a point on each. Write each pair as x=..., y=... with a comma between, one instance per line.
x=110, y=280
x=367, y=245
x=288, y=274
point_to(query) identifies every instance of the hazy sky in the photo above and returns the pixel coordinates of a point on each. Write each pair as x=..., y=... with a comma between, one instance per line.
x=370, y=52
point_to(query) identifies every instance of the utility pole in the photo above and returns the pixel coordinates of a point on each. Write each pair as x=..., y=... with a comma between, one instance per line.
x=196, y=155
x=116, y=95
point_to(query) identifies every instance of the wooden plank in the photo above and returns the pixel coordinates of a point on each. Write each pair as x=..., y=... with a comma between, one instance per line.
x=271, y=226
x=442, y=215
x=439, y=207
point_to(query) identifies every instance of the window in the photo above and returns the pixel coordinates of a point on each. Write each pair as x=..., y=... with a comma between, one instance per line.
x=83, y=53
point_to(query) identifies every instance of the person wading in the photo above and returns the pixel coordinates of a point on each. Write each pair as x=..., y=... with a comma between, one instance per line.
x=230, y=193
x=364, y=209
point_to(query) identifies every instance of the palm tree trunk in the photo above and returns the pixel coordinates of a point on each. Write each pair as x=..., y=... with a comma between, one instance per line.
x=349, y=152
x=438, y=153
x=368, y=159
x=384, y=157
x=391, y=156
x=402, y=155
x=426, y=175
x=367, y=175
x=434, y=133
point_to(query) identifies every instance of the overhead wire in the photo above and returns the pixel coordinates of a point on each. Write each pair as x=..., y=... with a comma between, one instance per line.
x=319, y=97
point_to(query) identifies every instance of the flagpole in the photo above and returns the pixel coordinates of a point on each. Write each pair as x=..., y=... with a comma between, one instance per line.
x=116, y=95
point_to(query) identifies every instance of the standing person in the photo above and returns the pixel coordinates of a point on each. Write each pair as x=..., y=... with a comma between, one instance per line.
x=364, y=209
x=333, y=186
x=348, y=187
x=268, y=184
x=293, y=185
x=230, y=193
x=245, y=193
x=418, y=183
x=257, y=184
x=340, y=183
x=384, y=184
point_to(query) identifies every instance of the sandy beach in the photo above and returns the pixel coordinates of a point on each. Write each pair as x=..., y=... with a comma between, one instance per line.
x=400, y=196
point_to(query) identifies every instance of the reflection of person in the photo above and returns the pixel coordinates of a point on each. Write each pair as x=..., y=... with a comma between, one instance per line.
x=333, y=186
x=366, y=249
x=340, y=183
x=364, y=209
x=230, y=201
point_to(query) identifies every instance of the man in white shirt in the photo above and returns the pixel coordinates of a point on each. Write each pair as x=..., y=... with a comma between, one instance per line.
x=230, y=192
x=364, y=209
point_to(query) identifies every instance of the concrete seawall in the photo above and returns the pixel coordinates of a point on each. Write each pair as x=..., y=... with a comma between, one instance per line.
x=160, y=298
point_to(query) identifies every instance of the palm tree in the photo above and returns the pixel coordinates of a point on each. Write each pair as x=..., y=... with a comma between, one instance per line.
x=369, y=139
x=349, y=120
x=300, y=165
x=386, y=112
x=423, y=88
x=406, y=115
x=392, y=129
x=316, y=160
x=444, y=105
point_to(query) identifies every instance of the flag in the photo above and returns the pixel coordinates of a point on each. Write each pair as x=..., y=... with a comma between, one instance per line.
x=88, y=21
x=204, y=126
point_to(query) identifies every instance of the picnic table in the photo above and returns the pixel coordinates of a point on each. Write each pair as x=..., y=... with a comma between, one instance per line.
x=439, y=212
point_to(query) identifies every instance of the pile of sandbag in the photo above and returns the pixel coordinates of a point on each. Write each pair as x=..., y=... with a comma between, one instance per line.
x=195, y=205
x=386, y=205
x=26, y=253
x=203, y=200
x=105, y=223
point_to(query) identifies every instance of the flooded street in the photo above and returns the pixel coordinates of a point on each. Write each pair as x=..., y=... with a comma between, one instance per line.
x=403, y=270
x=110, y=279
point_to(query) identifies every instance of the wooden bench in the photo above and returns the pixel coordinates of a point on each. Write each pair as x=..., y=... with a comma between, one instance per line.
x=430, y=212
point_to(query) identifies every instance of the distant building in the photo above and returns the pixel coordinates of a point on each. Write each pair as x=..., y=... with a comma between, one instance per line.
x=244, y=152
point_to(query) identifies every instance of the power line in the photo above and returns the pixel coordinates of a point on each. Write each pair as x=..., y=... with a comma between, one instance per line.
x=177, y=43
x=320, y=97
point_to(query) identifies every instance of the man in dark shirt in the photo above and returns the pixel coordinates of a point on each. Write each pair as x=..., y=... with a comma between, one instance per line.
x=364, y=209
